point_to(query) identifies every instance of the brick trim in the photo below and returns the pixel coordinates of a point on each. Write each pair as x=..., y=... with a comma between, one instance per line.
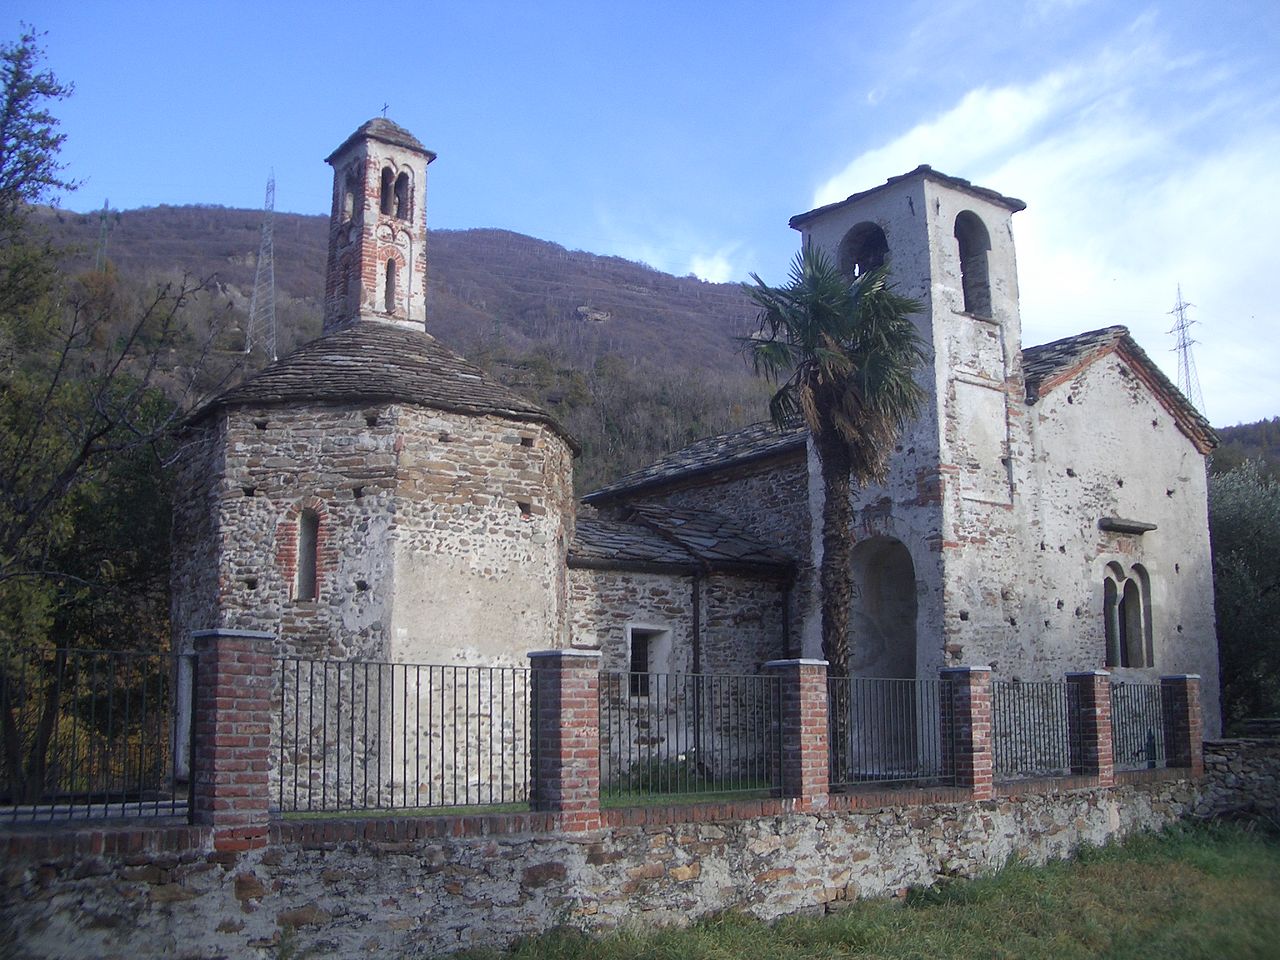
x=967, y=750
x=1091, y=746
x=1183, y=724
x=565, y=766
x=804, y=732
x=231, y=762
x=287, y=545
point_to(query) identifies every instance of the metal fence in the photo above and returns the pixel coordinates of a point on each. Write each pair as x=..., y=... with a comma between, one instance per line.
x=1033, y=725
x=670, y=734
x=889, y=731
x=94, y=734
x=1137, y=726
x=363, y=735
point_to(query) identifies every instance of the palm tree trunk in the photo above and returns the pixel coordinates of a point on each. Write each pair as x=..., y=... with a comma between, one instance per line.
x=837, y=590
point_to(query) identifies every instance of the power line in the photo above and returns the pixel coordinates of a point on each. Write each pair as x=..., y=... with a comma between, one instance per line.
x=262, y=306
x=1188, y=378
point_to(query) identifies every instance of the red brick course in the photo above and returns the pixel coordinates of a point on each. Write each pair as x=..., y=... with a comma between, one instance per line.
x=967, y=751
x=565, y=766
x=1092, y=752
x=230, y=763
x=805, y=754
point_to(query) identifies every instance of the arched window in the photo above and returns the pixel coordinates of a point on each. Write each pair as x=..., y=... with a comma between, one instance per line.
x=863, y=249
x=402, y=197
x=974, y=241
x=388, y=181
x=308, y=546
x=1126, y=601
x=389, y=294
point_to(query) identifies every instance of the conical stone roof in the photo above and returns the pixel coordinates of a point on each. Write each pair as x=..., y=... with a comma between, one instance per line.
x=378, y=362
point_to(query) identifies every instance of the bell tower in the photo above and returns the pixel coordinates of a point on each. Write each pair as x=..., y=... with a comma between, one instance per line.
x=377, y=264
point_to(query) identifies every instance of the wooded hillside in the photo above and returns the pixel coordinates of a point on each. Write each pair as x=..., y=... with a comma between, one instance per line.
x=635, y=362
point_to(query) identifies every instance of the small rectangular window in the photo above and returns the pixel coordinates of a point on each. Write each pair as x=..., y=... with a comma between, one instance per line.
x=639, y=664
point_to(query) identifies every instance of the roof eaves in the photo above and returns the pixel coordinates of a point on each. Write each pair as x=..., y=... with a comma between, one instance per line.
x=924, y=172
x=612, y=492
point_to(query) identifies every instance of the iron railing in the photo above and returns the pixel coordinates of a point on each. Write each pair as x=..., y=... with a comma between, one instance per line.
x=670, y=734
x=1034, y=724
x=889, y=731
x=94, y=734
x=364, y=735
x=1137, y=726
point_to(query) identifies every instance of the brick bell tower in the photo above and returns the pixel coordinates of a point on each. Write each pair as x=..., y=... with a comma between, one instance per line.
x=377, y=265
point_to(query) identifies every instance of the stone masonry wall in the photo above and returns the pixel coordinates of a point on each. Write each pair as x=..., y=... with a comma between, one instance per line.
x=442, y=536
x=1242, y=775
x=772, y=501
x=741, y=617
x=484, y=517
x=408, y=887
x=193, y=570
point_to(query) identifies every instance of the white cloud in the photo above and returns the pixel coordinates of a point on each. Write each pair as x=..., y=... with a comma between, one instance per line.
x=1141, y=170
x=715, y=267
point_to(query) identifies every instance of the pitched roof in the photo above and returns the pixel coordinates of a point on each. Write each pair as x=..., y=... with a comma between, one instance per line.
x=388, y=131
x=662, y=539
x=1049, y=364
x=373, y=361
x=756, y=442
x=924, y=172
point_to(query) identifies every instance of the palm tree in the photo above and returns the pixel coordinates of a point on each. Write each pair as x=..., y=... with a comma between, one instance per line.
x=844, y=355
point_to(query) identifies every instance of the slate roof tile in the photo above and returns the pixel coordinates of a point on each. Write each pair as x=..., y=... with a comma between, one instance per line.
x=758, y=441
x=1048, y=364
x=682, y=540
x=388, y=131
x=372, y=361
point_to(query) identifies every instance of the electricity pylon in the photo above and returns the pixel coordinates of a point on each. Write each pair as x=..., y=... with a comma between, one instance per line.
x=1188, y=379
x=262, y=306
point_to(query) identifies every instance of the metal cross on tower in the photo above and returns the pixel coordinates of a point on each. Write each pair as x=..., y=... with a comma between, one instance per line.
x=1188, y=379
x=262, y=306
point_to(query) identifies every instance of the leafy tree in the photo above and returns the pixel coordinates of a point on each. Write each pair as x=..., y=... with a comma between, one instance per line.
x=84, y=425
x=1244, y=526
x=844, y=355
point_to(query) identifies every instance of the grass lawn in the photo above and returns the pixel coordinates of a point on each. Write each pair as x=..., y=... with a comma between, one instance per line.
x=1202, y=892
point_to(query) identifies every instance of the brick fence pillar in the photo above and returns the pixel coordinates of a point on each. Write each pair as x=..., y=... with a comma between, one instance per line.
x=804, y=731
x=565, y=767
x=230, y=764
x=1092, y=749
x=1183, y=730
x=966, y=745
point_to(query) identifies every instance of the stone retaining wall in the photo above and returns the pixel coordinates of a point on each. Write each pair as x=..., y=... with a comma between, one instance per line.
x=406, y=886
x=1242, y=776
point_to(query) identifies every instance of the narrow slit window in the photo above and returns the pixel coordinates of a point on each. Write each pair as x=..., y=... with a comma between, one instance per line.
x=308, y=545
x=389, y=295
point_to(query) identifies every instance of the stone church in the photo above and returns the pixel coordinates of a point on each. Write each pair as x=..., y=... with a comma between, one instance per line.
x=375, y=496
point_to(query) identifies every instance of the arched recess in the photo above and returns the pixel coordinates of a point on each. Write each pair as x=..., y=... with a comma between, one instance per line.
x=863, y=249
x=975, y=243
x=387, y=193
x=883, y=724
x=1126, y=604
x=403, y=211
x=302, y=548
x=882, y=615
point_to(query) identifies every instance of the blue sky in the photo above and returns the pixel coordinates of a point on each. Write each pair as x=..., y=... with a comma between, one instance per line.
x=1143, y=138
